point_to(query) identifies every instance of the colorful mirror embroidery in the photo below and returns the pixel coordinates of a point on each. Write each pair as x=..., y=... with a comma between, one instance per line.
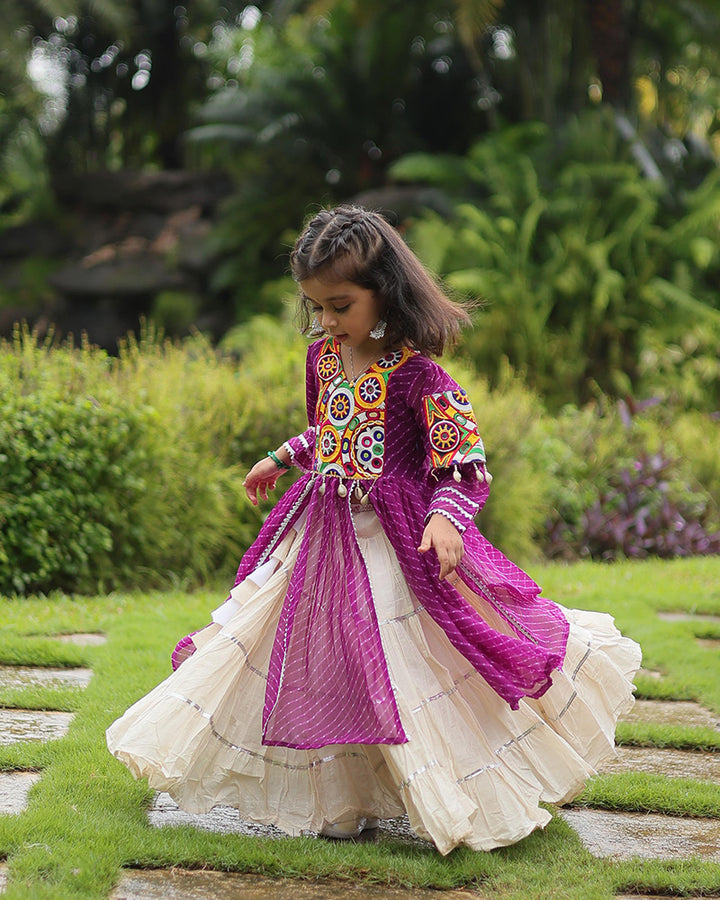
x=452, y=429
x=350, y=419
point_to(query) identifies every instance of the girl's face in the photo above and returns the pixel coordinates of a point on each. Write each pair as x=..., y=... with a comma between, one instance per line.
x=346, y=311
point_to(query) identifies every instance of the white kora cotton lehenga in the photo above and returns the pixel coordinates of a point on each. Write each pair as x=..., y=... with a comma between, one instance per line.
x=343, y=680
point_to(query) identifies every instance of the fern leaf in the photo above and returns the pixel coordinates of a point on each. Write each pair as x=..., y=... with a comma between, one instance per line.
x=680, y=298
x=528, y=227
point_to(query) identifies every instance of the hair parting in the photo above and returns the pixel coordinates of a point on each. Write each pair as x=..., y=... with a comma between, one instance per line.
x=351, y=243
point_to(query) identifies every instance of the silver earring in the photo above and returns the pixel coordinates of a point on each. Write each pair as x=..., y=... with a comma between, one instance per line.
x=378, y=331
x=316, y=328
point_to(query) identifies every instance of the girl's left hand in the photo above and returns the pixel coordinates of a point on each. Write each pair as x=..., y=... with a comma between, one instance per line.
x=443, y=536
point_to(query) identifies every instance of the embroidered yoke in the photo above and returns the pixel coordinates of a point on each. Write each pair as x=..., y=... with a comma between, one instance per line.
x=403, y=438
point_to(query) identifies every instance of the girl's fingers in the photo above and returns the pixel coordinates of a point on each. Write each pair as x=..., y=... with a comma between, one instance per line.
x=448, y=561
x=253, y=488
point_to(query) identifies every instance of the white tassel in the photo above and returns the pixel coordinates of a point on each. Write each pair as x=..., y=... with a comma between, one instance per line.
x=479, y=474
x=456, y=475
x=365, y=500
x=358, y=493
x=342, y=490
x=488, y=477
x=322, y=487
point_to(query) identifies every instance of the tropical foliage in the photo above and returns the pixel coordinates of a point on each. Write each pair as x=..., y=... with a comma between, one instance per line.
x=579, y=262
x=315, y=110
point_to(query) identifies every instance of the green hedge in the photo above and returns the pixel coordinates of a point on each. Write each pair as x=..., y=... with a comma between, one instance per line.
x=128, y=471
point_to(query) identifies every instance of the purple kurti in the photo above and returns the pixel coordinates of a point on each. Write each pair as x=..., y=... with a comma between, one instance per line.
x=404, y=439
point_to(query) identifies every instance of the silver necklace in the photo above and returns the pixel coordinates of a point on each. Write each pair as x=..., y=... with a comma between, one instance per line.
x=364, y=369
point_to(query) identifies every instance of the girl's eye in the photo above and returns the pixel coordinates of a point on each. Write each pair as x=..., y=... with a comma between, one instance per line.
x=342, y=308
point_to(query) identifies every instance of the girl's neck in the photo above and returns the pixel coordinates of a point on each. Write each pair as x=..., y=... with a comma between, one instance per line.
x=358, y=360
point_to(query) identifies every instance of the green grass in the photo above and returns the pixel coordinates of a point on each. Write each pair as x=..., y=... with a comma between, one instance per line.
x=86, y=818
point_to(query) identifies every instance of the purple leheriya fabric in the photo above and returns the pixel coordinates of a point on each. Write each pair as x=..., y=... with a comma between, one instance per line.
x=328, y=681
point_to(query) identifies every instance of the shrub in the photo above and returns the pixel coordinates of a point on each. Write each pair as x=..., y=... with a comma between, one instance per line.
x=638, y=516
x=509, y=417
x=71, y=470
x=619, y=485
x=129, y=471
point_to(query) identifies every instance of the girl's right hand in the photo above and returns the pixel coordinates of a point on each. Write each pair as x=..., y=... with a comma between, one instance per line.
x=261, y=479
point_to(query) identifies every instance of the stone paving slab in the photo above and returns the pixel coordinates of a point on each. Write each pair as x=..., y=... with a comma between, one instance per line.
x=672, y=712
x=32, y=725
x=669, y=762
x=687, y=617
x=622, y=835
x=650, y=673
x=181, y=884
x=226, y=820
x=708, y=643
x=88, y=639
x=221, y=820
x=17, y=677
x=14, y=787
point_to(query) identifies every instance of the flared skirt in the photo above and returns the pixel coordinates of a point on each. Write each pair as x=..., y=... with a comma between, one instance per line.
x=473, y=771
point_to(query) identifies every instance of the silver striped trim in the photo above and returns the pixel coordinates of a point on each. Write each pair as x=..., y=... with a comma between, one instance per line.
x=238, y=643
x=565, y=708
x=290, y=451
x=447, y=693
x=478, y=772
x=573, y=696
x=313, y=764
x=403, y=617
x=403, y=785
x=519, y=737
x=409, y=780
x=582, y=662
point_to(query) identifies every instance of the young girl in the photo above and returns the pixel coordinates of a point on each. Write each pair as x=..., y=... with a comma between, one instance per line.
x=377, y=656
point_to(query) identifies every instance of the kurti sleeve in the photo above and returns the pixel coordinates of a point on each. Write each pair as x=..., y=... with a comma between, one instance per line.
x=456, y=455
x=301, y=448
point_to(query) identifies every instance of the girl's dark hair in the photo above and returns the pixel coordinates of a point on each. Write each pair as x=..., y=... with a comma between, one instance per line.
x=350, y=243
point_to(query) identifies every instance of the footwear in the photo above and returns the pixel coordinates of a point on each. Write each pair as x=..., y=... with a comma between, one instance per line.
x=348, y=829
x=341, y=831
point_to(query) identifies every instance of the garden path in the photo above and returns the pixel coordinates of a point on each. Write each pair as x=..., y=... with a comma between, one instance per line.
x=605, y=833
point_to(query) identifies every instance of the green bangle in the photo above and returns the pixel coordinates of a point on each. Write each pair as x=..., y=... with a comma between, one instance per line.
x=276, y=459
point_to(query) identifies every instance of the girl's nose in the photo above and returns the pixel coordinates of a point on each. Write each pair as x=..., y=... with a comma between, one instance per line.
x=328, y=320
